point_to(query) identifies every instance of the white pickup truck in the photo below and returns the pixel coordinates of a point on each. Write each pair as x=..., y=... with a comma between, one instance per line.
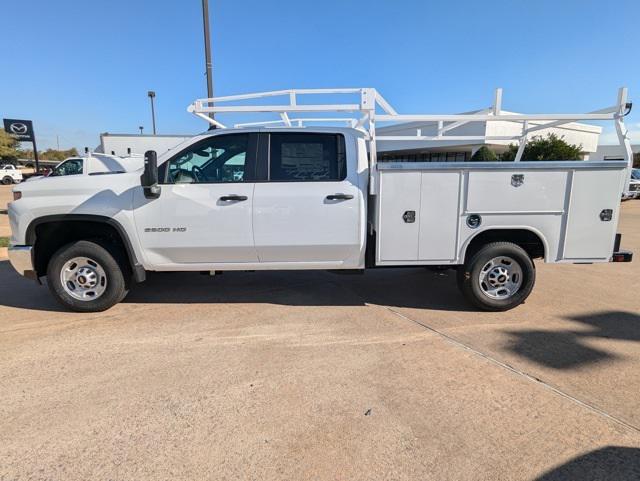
x=9, y=174
x=291, y=196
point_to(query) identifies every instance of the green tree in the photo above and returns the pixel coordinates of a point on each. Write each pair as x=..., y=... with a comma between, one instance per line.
x=53, y=154
x=551, y=147
x=484, y=154
x=49, y=154
x=8, y=147
x=636, y=160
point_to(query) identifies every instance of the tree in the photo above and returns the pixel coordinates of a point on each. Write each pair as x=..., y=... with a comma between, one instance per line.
x=484, y=154
x=49, y=154
x=53, y=154
x=546, y=148
x=636, y=160
x=8, y=147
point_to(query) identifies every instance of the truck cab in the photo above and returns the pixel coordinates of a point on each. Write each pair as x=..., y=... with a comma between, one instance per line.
x=239, y=199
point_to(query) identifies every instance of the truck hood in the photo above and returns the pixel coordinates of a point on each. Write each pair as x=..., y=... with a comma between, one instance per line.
x=80, y=185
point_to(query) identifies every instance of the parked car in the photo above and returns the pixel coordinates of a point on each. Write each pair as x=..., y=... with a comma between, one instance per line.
x=9, y=174
x=294, y=197
x=634, y=186
x=95, y=164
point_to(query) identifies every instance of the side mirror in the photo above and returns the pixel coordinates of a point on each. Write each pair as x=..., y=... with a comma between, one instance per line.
x=149, y=177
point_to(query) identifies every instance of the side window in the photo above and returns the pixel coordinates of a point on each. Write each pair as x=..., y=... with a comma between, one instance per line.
x=68, y=167
x=217, y=159
x=302, y=157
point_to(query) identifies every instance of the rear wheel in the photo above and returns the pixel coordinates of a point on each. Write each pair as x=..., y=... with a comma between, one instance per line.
x=85, y=277
x=498, y=277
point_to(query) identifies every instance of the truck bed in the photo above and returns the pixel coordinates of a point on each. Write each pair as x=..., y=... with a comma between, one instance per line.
x=423, y=211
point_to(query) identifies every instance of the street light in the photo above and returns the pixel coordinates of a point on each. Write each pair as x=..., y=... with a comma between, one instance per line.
x=141, y=127
x=152, y=95
x=207, y=52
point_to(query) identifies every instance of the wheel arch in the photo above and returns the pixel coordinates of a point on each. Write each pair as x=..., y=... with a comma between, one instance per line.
x=529, y=238
x=70, y=227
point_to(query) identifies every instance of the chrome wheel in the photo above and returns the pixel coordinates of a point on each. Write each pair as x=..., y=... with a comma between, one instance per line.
x=500, y=278
x=83, y=278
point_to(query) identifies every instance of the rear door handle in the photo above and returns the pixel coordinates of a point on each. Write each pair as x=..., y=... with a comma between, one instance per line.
x=339, y=197
x=232, y=197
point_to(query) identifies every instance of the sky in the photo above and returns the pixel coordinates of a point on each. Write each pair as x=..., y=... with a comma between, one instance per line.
x=78, y=68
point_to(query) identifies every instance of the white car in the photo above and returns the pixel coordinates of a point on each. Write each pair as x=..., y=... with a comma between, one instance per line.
x=293, y=197
x=9, y=174
x=634, y=186
x=95, y=164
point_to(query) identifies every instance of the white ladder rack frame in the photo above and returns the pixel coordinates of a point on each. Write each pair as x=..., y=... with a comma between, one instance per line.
x=371, y=101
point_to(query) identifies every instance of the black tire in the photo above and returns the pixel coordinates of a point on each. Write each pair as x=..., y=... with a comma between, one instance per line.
x=468, y=276
x=116, y=282
x=7, y=180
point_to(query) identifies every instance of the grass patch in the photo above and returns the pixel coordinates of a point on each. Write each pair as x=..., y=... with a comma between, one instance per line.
x=4, y=241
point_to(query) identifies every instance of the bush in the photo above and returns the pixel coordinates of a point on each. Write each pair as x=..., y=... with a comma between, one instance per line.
x=484, y=154
x=546, y=148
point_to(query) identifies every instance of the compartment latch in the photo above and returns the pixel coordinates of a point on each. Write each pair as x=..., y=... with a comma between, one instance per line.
x=409, y=216
x=606, y=215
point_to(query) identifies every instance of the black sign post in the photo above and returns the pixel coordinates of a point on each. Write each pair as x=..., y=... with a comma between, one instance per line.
x=23, y=131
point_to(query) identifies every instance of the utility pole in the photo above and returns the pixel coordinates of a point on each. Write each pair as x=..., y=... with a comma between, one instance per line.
x=207, y=50
x=35, y=154
x=58, y=141
x=152, y=95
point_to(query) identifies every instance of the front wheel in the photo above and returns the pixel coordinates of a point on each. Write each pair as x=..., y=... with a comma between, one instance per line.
x=498, y=277
x=7, y=180
x=85, y=277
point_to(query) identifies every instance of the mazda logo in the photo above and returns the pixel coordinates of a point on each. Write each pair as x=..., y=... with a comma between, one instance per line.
x=18, y=129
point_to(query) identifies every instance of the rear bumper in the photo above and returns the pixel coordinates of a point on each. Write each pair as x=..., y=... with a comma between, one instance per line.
x=21, y=258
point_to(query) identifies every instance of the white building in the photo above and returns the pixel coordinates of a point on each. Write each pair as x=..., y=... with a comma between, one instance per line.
x=126, y=144
x=451, y=151
x=612, y=152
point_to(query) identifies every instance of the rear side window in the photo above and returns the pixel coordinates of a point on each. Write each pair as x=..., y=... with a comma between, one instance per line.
x=302, y=157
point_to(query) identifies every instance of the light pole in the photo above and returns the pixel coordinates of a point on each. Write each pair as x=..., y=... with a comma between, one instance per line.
x=141, y=127
x=152, y=95
x=207, y=51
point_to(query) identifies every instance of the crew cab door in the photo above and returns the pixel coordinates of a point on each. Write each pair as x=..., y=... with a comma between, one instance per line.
x=307, y=208
x=203, y=215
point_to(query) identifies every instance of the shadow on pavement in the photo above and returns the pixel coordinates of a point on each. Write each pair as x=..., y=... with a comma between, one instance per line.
x=566, y=349
x=606, y=464
x=407, y=287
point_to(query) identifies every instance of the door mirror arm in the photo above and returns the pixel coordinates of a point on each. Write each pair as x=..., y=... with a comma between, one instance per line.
x=149, y=177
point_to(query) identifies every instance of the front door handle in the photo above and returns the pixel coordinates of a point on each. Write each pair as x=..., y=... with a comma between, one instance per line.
x=232, y=197
x=339, y=197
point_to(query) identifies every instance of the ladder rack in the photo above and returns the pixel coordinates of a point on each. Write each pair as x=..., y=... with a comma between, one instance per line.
x=372, y=108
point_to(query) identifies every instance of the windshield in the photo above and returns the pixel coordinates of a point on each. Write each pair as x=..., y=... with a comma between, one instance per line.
x=68, y=167
x=635, y=174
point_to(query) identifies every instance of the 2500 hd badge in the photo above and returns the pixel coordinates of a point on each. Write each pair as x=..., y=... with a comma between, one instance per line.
x=165, y=229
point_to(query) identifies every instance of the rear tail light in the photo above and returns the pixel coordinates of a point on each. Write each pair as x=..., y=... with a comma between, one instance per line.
x=17, y=195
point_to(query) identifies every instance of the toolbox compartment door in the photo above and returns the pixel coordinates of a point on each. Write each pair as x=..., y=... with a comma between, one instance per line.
x=592, y=218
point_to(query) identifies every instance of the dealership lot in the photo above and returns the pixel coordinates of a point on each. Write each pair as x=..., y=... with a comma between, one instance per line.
x=314, y=375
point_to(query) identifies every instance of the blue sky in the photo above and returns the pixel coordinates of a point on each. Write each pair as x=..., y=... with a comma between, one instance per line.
x=79, y=68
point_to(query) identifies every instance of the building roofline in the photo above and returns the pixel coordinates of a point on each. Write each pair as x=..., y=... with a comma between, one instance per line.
x=110, y=134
